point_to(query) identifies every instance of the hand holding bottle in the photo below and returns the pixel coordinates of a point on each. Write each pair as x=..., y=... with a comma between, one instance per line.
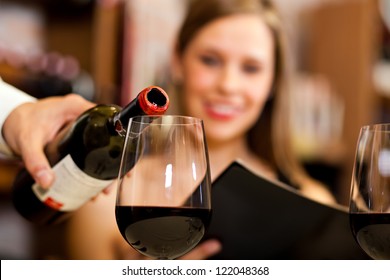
x=31, y=126
x=85, y=156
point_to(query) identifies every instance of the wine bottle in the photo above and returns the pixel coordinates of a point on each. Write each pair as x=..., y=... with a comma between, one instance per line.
x=85, y=157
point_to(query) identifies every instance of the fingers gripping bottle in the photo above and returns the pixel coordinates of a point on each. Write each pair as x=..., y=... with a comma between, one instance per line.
x=85, y=157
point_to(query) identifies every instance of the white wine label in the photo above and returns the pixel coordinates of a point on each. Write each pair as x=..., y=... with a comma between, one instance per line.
x=71, y=188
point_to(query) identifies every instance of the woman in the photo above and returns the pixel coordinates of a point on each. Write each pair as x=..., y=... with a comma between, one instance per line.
x=229, y=69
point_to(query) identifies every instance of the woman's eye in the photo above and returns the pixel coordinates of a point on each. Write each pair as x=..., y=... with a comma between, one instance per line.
x=251, y=69
x=209, y=60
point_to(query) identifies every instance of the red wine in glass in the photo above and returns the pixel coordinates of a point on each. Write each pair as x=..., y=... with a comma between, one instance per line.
x=163, y=205
x=372, y=232
x=167, y=232
x=369, y=209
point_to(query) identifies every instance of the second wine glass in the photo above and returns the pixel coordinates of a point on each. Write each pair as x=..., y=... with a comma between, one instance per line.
x=370, y=191
x=163, y=202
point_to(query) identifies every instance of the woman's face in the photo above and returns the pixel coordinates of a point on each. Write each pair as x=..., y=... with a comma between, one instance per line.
x=228, y=71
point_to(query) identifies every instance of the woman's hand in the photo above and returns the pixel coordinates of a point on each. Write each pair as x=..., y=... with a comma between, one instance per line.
x=204, y=250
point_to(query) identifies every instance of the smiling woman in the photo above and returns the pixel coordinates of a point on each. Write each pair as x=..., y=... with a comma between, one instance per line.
x=227, y=73
x=229, y=69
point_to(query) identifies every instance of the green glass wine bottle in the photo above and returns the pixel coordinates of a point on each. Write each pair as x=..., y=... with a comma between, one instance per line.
x=85, y=157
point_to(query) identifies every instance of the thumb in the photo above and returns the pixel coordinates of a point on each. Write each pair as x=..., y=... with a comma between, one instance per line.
x=38, y=166
x=204, y=250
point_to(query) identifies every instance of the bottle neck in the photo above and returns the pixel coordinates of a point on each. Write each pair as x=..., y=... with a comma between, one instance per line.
x=150, y=101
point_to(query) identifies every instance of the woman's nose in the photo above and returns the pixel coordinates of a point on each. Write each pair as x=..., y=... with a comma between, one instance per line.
x=230, y=80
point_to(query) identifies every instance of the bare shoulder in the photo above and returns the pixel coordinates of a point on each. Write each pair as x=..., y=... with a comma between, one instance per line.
x=258, y=166
x=318, y=192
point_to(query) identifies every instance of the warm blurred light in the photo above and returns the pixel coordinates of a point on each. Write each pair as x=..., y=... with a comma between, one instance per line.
x=13, y=58
x=34, y=62
x=52, y=61
x=69, y=68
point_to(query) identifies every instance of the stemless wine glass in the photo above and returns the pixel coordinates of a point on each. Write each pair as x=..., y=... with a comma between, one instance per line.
x=163, y=202
x=370, y=191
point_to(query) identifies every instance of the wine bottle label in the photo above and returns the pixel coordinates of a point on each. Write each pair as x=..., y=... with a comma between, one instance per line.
x=71, y=188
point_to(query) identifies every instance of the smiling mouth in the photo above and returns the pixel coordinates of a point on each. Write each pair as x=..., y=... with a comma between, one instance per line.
x=222, y=111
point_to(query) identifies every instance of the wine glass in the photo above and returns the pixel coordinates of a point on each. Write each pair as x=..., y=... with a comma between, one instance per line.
x=163, y=202
x=370, y=191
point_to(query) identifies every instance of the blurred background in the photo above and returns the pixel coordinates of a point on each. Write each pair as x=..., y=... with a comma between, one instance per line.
x=108, y=50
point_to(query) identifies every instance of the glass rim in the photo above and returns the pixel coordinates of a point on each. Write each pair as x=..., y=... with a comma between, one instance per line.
x=379, y=127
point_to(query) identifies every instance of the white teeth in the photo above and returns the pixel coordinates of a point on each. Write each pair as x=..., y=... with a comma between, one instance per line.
x=223, y=109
